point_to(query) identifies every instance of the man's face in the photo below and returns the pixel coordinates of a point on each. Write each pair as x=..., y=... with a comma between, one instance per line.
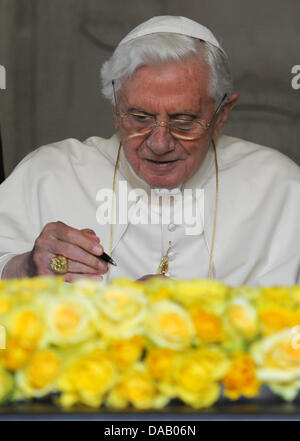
x=167, y=91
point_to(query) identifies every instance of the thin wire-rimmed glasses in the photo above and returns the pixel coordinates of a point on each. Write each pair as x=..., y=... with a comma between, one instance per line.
x=140, y=124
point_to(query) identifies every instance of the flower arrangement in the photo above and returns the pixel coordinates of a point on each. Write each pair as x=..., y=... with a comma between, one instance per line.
x=144, y=344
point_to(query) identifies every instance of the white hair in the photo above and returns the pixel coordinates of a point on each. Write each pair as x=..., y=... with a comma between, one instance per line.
x=162, y=47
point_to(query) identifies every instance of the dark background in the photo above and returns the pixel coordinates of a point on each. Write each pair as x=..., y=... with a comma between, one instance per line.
x=53, y=50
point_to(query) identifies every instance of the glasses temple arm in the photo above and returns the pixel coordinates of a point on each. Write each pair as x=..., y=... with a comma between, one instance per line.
x=221, y=104
x=115, y=98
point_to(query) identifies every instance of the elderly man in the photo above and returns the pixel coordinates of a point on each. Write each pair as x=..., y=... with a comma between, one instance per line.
x=170, y=86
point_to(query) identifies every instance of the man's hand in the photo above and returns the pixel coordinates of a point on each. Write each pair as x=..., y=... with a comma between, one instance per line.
x=150, y=276
x=80, y=247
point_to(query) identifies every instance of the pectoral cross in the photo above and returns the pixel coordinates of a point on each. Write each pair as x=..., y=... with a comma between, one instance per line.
x=164, y=262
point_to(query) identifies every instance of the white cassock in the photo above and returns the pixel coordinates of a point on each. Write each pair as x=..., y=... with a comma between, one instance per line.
x=257, y=232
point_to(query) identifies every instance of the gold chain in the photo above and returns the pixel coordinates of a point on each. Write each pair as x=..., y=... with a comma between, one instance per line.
x=215, y=212
x=164, y=263
x=113, y=208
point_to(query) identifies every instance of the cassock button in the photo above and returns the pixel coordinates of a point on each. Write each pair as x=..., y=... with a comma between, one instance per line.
x=171, y=227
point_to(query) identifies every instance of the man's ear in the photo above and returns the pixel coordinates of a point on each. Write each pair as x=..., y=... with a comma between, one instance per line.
x=116, y=119
x=224, y=114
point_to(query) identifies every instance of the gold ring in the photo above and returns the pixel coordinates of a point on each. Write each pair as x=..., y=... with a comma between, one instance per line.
x=59, y=264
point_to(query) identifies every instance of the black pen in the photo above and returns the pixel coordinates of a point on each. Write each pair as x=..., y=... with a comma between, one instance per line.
x=107, y=258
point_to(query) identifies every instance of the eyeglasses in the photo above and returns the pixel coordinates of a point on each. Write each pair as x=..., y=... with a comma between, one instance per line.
x=139, y=124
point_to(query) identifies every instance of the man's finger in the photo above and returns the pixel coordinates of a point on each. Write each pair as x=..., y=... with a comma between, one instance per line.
x=75, y=253
x=70, y=277
x=77, y=267
x=91, y=234
x=75, y=237
x=88, y=231
x=150, y=276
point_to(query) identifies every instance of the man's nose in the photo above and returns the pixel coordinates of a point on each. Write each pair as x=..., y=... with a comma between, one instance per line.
x=160, y=140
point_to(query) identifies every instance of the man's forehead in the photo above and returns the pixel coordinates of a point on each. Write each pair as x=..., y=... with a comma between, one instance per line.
x=169, y=82
x=170, y=74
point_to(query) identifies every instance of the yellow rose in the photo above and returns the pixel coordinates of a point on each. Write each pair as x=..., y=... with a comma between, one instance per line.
x=6, y=384
x=70, y=319
x=27, y=326
x=207, y=363
x=125, y=282
x=242, y=317
x=276, y=296
x=208, y=295
x=15, y=355
x=87, y=380
x=296, y=317
x=287, y=391
x=6, y=303
x=3, y=284
x=274, y=319
x=248, y=293
x=161, y=363
x=168, y=324
x=207, y=394
x=294, y=294
x=196, y=376
x=158, y=288
x=87, y=287
x=127, y=352
x=136, y=387
x=38, y=377
x=119, y=303
x=41, y=283
x=26, y=290
x=278, y=357
x=208, y=326
x=121, y=312
x=241, y=377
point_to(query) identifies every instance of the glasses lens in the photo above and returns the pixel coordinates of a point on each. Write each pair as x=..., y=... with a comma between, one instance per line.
x=138, y=123
x=143, y=124
x=186, y=129
x=185, y=126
